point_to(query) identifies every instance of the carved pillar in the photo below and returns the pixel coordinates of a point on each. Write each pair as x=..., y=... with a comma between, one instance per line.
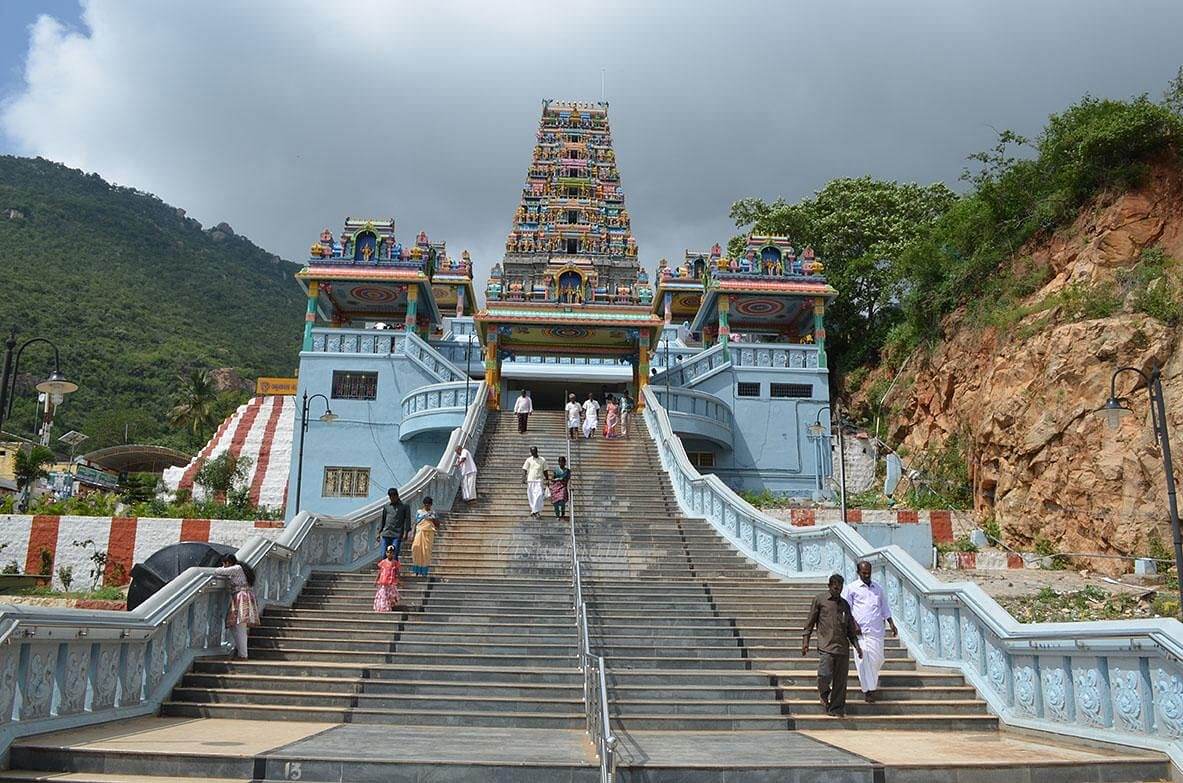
x=460, y=291
x=667, y=305
x=493, y=369
x=310, y=315
x=819, y=330
x=412, y=307
x=724, y=329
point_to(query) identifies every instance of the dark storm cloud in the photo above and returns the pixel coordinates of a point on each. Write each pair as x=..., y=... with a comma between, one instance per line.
x=283, y=118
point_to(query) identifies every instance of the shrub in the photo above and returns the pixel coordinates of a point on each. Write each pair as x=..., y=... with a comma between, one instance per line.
x=46, y=559
x=992, y=529
x=1047, y=551
x=66, y=577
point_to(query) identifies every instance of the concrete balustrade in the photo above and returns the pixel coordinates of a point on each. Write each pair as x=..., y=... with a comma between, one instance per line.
x=64, y=668
x=441, y=406
x=697, y=414
x=1113, y=681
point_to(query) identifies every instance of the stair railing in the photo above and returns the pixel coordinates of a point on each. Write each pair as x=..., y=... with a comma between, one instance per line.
x=595, y=681
x=66, y=668
x=1115, y=681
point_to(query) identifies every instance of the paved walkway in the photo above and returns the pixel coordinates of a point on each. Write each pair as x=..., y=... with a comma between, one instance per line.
x=330, y=751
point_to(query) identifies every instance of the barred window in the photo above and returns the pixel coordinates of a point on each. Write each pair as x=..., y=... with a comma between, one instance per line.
x=350, y=385
x=346, y=483
x=747, y=389
x=791, y=390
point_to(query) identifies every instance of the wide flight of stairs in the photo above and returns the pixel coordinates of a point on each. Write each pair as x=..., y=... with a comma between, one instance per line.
x=702, y=649
x=488, y=639
x=695, y=636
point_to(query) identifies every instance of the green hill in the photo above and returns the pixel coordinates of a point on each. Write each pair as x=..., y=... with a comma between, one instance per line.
x=133, y=293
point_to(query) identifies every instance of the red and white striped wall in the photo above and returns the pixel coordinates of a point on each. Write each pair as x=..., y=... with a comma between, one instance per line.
x=260, y=429
x=126, y=540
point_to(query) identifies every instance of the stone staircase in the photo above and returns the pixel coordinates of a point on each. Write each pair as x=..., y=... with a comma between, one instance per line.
x=477, y=678
x=695, y=636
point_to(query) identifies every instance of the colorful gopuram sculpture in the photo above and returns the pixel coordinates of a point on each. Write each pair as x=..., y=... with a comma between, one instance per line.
x=571, y=239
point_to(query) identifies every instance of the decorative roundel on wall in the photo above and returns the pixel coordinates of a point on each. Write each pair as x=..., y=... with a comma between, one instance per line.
x=568, y=332
x=687, y=301
x=373, y=295
x=760, y=308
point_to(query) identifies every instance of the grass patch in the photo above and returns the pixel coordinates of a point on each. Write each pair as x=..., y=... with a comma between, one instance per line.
x=1090, y=603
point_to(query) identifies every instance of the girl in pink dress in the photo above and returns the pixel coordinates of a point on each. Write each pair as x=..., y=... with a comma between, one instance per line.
x=387, y=597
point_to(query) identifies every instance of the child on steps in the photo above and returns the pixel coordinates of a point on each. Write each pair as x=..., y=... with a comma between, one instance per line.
x=387, y=597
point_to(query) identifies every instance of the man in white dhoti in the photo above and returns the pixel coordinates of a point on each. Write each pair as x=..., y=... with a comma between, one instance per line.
x=591, y=415
x=467, y=467
x=534, y=477
x=574, y=414
x=868, y=606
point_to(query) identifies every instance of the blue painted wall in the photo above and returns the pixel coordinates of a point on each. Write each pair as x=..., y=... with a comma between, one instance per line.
x=771, y=449
x=365, y=436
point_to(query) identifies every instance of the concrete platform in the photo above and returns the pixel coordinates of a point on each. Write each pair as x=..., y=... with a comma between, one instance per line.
x=169, y=749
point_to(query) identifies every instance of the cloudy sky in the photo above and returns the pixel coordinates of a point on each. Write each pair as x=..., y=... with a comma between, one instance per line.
x=284, y=117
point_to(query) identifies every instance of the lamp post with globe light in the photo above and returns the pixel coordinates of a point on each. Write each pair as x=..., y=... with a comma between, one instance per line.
x=1113, y=411
x=328, y=417
x=56, y=386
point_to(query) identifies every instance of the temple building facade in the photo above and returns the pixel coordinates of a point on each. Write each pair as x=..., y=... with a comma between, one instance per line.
x=732, y=346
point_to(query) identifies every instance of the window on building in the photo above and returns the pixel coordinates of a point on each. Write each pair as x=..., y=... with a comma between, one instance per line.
x=572, y=216
x=791, y=390
x=572, y=246
x=346, y=483
x=350, y=385
x=701, y=459
x=744, y=389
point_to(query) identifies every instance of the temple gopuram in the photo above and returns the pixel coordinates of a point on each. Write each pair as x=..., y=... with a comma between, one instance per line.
x=732, y=345
x=570, y=284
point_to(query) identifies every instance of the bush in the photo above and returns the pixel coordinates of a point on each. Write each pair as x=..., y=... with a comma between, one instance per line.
x=1051, y=561
x=1093, y=146
x=46, y=560
x=992, y=529
x=66, y=577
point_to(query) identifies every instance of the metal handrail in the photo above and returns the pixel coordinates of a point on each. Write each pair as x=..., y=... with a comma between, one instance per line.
x=595, y=683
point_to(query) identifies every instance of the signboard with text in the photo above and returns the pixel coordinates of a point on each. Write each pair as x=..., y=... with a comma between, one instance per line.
x=276, y=387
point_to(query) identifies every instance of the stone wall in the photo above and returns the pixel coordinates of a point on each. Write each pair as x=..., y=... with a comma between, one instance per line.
x=126, y=540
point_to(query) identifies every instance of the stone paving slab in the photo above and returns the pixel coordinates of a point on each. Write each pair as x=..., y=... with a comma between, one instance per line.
x=181, y=736
x=447, y=744
x=981, y=757
x=729, y=749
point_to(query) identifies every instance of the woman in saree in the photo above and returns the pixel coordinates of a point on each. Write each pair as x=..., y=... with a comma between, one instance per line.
x=426, y=525
x=560, y=477
x=612, y=419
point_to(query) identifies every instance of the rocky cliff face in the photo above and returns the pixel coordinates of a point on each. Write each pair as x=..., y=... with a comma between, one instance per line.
x=1022, y=395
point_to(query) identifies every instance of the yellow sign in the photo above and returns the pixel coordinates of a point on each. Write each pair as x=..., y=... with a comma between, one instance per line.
x=280, y=387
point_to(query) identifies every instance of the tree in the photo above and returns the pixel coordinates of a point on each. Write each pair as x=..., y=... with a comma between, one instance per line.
x=196, y=400
x=30, y=466
x=220, y=474
x=858, y=227
x=1173, y=97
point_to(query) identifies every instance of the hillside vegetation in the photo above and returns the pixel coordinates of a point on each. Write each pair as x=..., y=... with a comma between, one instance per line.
x=135, y=295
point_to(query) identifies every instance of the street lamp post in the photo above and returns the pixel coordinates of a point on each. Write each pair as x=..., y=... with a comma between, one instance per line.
x=1113, y=411
x=666, y=340
x=56, y=385
x=327, y=417
x=816, y=429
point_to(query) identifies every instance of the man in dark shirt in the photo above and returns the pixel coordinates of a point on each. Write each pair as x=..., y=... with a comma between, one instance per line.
x=394, y=523
x=836, y=634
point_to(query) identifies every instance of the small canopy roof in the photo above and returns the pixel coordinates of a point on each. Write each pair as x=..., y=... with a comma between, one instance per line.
x=137, y=458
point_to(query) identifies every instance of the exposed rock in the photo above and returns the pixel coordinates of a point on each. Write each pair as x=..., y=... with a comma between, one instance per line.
x=1040, y=462
x=12, y=213
x=221, y=232
x=228, y=379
